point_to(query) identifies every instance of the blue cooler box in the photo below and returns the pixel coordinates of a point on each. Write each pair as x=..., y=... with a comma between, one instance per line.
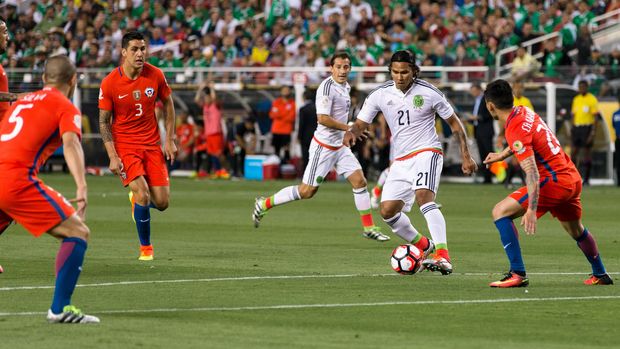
x=253, y=167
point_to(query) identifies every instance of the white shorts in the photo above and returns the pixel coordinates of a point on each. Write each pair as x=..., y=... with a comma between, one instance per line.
x=322, y=160
x=421, y=171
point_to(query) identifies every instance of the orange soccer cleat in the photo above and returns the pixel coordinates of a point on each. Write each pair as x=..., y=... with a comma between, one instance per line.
x=146, y=253
x=599, y=280
x=511, y=279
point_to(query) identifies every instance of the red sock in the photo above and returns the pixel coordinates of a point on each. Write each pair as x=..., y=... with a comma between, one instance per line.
x=442, y=252
x=422, y=244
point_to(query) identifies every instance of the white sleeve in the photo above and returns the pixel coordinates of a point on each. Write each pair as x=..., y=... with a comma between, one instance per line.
x=324, y=100
x=370, y=108
x=442, y=107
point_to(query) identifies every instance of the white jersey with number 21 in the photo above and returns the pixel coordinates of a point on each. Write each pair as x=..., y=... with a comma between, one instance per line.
x=410, y=115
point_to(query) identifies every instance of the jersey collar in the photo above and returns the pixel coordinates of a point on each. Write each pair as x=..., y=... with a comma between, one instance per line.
x=514, y=112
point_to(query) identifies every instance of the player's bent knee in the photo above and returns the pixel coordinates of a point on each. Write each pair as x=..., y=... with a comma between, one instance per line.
x=498, y=212
x=387, y=212
x=307, y=192
x=142, y=197
x=161, y=205
x=83, y=232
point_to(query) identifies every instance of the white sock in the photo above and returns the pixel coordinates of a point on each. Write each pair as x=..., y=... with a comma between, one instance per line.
x=285, y=195
x=383, y=177
x=436, y=223
x=401, y=226
x=362, y=199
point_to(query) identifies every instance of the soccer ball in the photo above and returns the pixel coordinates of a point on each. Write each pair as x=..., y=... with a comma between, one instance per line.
x=406, y=259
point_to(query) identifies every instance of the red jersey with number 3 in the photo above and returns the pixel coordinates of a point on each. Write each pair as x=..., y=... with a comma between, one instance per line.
x=32, y=129
x=132, y=103
x=527, y=134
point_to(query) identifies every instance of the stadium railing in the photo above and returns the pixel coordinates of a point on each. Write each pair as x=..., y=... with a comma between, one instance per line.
x=604, y=29
x=241, y=90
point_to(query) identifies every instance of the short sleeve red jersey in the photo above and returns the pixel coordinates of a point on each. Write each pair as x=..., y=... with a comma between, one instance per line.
x=527, y=134
x=132, y=103
x=4, y=88
x=32, y=129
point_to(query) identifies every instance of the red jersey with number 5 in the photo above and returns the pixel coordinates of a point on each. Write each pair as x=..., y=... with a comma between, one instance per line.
x=4, y=87
x=527, y=134
x=32, y=129
x=132, y=103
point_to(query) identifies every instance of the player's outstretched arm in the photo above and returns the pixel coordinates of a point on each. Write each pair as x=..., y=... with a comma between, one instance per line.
x=532, y=178
x=74, y=156
x=355, y=132
x=495, y=157
x=105, y=128
x=469, y=166
x=170, y=147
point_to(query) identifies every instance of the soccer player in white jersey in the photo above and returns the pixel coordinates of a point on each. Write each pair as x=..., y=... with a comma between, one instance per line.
x=409, y=106
x=327, y=151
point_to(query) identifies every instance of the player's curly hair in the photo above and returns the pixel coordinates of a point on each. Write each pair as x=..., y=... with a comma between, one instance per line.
x=405, y=56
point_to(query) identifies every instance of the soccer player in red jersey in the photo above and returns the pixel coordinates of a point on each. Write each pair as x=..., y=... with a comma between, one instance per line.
x=5, y=96
x=32, y=130
x=131, y=136
x=553, y=184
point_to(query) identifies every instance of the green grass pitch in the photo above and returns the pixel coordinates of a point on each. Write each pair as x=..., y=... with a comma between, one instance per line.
x=306, y=278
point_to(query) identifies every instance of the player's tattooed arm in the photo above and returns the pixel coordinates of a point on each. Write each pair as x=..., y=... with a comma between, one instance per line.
x=532, y=178
x=105, y=125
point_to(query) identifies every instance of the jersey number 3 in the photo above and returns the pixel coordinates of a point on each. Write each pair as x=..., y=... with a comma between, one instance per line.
x=17, y=120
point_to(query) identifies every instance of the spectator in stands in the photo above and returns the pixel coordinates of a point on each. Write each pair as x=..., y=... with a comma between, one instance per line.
x=260, y=52
x=524, y=65
x=613, y=71
x=307, y=124
x=553, y=58
x=585, y=115
x=616, y=123
x=283, y=115
x=584, y=46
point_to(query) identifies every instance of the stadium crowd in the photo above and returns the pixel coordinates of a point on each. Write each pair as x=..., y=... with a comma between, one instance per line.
x=290, y=33
x=195, y=33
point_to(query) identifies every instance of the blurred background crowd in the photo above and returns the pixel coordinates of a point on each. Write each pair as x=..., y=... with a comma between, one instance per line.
x=195, y=33
x=187, y=34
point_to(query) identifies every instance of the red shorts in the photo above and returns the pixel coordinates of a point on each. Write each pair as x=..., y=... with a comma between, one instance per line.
x=562, y=199
x=215, y=144
x=34, y=205
x=149, y=163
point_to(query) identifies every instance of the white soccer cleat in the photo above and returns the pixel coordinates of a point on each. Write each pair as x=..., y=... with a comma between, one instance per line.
x=375, y=234
x=259, y=212
x=71, y=315
x=437, y=263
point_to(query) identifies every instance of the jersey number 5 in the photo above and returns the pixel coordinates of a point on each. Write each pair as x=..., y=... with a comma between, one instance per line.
x=17, y=120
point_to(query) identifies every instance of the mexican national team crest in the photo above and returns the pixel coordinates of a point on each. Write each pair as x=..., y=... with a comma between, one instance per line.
x=418, y=101
x=149, y=92
x=137, y=95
